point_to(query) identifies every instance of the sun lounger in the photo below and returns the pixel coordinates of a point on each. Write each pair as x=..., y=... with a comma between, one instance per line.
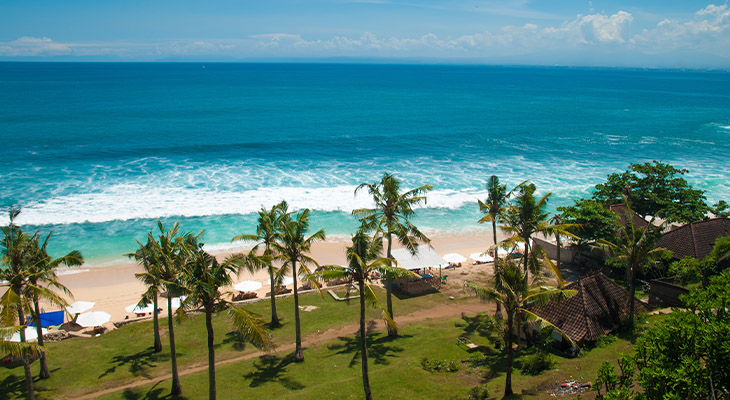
x=466, y=344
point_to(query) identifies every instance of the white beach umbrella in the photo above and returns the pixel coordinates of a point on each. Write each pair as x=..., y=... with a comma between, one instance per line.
x=133, y=308
x=248, y=286
x=454, y=258
x=287, y=280
x=79, y=307
x=483, y=258
x=176, y=301
x=93, y=318
x=30, y=334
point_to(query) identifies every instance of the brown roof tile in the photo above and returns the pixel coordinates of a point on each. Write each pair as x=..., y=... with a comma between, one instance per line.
x=695, y=239
x=595, y=310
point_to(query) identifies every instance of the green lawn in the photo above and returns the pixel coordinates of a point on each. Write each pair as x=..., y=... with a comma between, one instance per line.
x=86, y=365
x=331, y=369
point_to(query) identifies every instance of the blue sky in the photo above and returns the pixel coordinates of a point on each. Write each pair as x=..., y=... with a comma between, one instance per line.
x=650, y=33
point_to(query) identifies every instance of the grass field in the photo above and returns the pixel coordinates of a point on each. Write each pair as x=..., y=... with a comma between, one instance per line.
x=331, y=368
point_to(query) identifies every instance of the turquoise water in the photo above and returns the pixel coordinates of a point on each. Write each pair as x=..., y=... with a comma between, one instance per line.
x=98, y=152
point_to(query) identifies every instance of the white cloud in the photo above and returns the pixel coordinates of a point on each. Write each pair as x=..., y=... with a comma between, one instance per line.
x=707, y=30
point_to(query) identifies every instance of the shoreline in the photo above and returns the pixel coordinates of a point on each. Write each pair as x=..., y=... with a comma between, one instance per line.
x=113, y=287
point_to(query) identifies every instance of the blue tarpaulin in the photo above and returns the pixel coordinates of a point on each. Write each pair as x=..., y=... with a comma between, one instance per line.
x=49, y=319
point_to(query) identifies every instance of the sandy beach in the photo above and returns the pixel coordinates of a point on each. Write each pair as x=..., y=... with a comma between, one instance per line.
x=114, y=287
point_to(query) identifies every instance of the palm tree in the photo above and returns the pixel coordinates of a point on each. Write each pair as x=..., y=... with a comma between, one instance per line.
x=292, y=249
x=16, y=249
x=267, y=234
x=151, y=278
x=513, y=292
x=203, y=276
x=634, y=247
x=15, y=349
x=364, y=259
x=391, y=216
x=41, y=279
x=168, y=254
x=526, y=218
x=557, y=219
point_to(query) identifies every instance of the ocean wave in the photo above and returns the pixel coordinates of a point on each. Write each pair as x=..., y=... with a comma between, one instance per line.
x=127, y=202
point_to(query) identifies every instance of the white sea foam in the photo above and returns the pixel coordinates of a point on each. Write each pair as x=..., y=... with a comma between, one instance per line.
x=69, y=271
x=126, y=202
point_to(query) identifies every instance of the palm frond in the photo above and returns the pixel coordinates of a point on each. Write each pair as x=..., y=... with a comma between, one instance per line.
x=251, y=327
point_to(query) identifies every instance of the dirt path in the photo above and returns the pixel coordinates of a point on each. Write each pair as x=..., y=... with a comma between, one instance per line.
x=442, y=311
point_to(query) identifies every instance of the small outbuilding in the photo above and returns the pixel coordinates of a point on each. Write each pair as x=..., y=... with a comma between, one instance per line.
x=597, y=309
x=422, y=264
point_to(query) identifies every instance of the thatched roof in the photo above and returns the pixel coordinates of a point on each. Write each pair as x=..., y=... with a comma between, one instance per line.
x=696, y=238
x=597, y=308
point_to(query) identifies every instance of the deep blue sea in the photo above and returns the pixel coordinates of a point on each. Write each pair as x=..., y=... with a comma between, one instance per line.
x=97, y=152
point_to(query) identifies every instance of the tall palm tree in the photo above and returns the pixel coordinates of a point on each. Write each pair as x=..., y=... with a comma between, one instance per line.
x=513, y=292
x=203, y=276
x=364, y=258
x=17, y=249
x=267, y=233
x=8, y=317
x=391, y=217
x=526, y=218
x=169, y=255
x=151, y=277
x=634, y=247
x=41, y=281
x=557, y=219
x=292, y=249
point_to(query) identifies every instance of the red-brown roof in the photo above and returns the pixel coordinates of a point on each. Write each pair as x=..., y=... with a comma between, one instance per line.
x=597, y=308
x=695, y=239
x=620, y=209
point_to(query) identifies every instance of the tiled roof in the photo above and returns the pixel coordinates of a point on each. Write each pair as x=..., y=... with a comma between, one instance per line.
x=596, y=309
x=695, y=239
x=620, y=209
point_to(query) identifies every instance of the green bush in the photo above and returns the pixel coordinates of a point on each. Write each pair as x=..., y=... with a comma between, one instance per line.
x=605, y=340
x=439, y=365
x=478, y=393
x=537, y=363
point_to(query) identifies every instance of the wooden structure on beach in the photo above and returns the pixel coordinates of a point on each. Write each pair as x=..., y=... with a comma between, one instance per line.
x=422, y=264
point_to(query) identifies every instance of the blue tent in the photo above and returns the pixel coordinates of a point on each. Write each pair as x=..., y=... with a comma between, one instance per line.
x=49, y=319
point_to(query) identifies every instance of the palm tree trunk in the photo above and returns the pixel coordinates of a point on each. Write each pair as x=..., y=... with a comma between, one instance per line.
x=298, y=354
x=632, y=294
x=211, y=354
x=527, y=273
x=274, y=317
x=156, y=325
x=45, y=372
x=30, y=395
x=176, y=388
x=498, y=313
x=510, y=355
x=557, y=242
x=364, y=345
x=389, y=290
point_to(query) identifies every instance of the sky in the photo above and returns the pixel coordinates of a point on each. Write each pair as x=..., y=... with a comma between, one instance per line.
x=647, y=33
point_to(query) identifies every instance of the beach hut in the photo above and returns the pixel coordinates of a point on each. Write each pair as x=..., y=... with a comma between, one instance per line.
x=424, y=260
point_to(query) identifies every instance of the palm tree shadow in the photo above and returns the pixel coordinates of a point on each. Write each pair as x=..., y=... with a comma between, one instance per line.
x=380, y=348
x=155, y=393
x=12, y=387
x=239, y=343
x=271, y=368
x=480, y=324
x=139, y=363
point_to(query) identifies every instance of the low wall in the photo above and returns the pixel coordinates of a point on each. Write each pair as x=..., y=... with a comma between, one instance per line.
x=551, y=249
x=662, y=292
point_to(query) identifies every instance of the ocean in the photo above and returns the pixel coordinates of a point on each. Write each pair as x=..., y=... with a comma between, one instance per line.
x=97, y=152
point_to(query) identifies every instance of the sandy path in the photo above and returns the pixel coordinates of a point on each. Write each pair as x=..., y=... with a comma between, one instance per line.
x=442, y=311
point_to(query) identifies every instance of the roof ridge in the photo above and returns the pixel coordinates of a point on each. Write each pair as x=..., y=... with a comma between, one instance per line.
x=585, y=306
x=692, y=238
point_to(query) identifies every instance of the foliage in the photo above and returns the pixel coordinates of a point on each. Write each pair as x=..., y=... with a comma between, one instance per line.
x=613, y=383
x=605, y=340
x=431, y=365
x=656, y=189
x=721, y=248
x=689, y=270
x=537, y=363
x=721, y=209
x=594, y=220
x=480, y=392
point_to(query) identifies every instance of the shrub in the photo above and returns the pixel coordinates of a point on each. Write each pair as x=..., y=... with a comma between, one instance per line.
x=605, y=340
x=478, y=393
x=537, y=363
x=439, y=365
